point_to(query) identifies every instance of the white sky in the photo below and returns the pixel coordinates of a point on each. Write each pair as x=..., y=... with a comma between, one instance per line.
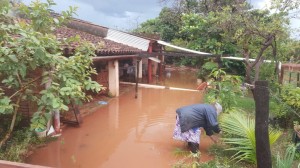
x=117, y=14
x=124, y=14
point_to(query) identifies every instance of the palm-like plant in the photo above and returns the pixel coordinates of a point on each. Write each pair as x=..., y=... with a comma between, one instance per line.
x=287, y=160
x=239, y=130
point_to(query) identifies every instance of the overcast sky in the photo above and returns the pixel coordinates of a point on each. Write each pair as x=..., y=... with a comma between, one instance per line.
x=119, y=14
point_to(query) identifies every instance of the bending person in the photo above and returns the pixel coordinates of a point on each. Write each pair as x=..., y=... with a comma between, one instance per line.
x=190, y=119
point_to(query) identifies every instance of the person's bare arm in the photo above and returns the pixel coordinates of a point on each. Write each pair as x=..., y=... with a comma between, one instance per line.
x=213, y=138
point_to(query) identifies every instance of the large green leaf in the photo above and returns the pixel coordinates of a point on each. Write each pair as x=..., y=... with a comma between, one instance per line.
x=240, y=135
x=5, y=105
x=13, y=57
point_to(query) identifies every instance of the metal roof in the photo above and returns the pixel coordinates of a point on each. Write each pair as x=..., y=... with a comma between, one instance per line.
x=182, y=49
x=127, y=39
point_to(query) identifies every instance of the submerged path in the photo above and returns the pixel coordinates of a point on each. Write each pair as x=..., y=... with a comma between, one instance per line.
x=127, y=132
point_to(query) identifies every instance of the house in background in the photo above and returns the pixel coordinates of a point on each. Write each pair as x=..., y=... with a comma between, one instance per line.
x=117, y=55
x=121, y=54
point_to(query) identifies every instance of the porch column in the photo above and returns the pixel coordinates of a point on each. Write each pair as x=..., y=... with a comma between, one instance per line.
x=113, y=77
x=149, y=71
x=160, y=68
x=155, y=67
x=138, y=63
x=150, y=64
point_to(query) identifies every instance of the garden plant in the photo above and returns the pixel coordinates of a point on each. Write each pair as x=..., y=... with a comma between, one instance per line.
x=34, y=69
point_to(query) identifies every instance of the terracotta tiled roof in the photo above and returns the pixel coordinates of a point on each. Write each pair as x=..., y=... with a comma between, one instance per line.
x=103, y=46
x=91, y=33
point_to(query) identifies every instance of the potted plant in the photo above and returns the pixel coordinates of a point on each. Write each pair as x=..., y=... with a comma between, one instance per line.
x=40, y=123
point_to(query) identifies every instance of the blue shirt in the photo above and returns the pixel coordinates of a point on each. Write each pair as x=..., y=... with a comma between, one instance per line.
x=198, y=115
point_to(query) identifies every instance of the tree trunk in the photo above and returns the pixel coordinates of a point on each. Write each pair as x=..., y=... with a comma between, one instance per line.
x=248, y=74
x=257, y=69
x=13, y=121
x=261, y=96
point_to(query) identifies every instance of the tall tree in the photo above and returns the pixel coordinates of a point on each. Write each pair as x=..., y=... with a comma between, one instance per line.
x=203, y=6
x=251, y=33
x=255, y=32
x=166, y=25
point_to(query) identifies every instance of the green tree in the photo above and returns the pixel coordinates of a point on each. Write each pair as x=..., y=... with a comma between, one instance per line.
x=166, y=25
x=256, y=33
x=225, y=89
x=232, y=27
x=29, y=46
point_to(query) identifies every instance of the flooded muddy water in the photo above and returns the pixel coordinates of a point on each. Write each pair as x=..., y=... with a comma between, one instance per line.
x=127, y=132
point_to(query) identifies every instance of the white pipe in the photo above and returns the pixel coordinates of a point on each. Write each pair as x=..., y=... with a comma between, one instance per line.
x=252, y=60
x=158, y=87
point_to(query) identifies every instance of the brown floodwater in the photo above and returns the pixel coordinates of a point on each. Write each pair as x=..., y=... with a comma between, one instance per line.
x=127, y=132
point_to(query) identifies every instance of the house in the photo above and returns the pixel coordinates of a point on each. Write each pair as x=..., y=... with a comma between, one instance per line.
x=122, y=52
x=117, y=52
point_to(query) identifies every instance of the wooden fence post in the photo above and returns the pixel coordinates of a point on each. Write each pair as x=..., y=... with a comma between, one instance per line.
x=261, y=96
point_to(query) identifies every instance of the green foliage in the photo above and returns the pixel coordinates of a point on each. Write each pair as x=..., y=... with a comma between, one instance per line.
x=183, y=60
x=16, y=149
x=291, y=95
x=204, y=72
x=267, y=72
x=281, y=111
x=188, y=159
x=151, y=26
x=234, y=67
x=39, y=121
x=166, y=25
x=20, y=144
x=284, y=105
x=239, y=132
x=224, y=89
x=31, y=58
x=40, y=17
x=5, y=105
x=197, y=25
x=287, y=160
x=246, y=104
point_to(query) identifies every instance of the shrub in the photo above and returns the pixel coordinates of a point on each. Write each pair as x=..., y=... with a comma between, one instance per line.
x=239, y=131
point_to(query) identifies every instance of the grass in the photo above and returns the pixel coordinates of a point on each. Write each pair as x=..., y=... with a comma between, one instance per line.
x=282, y=144
x=246, y=104
x=22, y=141
x=222, y=159
x=21, y=145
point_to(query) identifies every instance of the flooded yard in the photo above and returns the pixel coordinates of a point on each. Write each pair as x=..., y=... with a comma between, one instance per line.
x=127, y=132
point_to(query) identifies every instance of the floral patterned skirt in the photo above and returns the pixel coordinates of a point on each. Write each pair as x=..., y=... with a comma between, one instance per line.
x=192, y=135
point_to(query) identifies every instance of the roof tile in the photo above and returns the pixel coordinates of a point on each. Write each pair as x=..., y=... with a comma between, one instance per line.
x=103, y=46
